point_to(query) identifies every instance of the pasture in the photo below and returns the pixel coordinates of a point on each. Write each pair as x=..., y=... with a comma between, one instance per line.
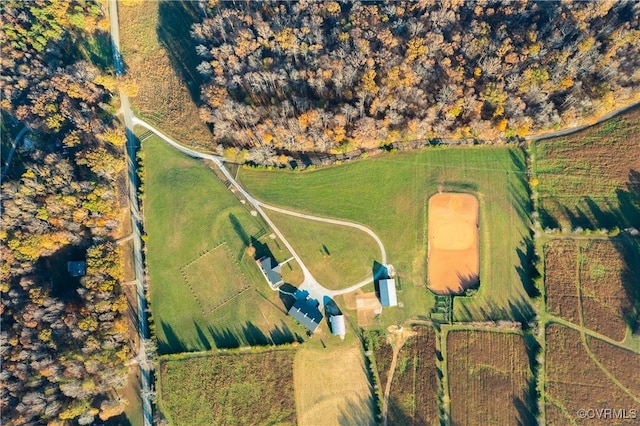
x=232, y=388
x=590, y=179
x=488, y=373
x=337, y=256
x=594, y=283
x=389, y=194
x=579, y=377
x=205, y=290
x=332, y=385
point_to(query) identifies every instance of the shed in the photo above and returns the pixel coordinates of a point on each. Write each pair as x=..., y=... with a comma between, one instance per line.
x=306, y=312
x=338, y=327
x=388, y=292
x=271, y=271
x=77, y=269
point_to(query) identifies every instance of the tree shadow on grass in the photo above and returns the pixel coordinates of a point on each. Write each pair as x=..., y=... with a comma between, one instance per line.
x=629, y=249
x=174, y=28
x=172, y=344
x=356, y=411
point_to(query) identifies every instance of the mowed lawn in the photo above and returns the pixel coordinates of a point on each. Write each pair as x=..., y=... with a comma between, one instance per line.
x=195, y=303
x=229, y=389
x=337, y=256
x=389, y=194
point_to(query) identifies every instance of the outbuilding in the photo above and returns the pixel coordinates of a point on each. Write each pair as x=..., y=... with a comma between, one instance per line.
x=388, y=292
x=338, y=327
x=77, y=269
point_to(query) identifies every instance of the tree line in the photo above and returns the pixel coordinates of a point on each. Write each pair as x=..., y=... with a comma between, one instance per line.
x=64, y=339
x=327, y=75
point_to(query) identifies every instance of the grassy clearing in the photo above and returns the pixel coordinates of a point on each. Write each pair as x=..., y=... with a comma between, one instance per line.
x=489, y=373
x=229, y=389
x=159, y=57
x=389, y=194
x=188, y=212
x=337, y=256
x=332, y=386
x=590, y=179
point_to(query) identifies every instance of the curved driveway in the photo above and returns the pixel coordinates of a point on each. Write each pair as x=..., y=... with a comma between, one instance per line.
x=309, y=283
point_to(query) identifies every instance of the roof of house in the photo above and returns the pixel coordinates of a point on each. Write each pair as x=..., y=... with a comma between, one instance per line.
x=388, y=292
x=306, y=312
x=271, y=270
x=77, y=269
x=338, y=327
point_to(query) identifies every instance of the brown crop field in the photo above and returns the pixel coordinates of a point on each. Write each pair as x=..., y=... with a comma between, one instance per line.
x=621, y=364
x=609, y=283
x=560, y=279
x=383, y=353
x=489, y=378
x=590, y=179
x=413, y=399
x=575, y=382
x=453, y=246
x=229, y=389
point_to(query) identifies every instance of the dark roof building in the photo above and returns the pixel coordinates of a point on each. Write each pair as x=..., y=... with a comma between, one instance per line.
x=271, y=271
x=306, y=312
x=388, y=292
x=77, y=269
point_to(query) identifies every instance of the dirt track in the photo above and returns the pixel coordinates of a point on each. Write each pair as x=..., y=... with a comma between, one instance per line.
x=453, y=252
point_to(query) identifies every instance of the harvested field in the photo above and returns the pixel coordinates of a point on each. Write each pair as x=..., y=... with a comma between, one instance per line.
x=574, y=381
x=453, y=247
x=560, y=279
x=229, y=389
x=413, y=399
x=332, y=386
x=488, y=373
x=609, y=285
x=591, y=179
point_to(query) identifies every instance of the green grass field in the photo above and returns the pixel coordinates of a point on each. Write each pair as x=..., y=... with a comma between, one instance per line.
x=226, y=278
x=188, y=211
x=229, y=389
x=337, y=256
x=389, y=194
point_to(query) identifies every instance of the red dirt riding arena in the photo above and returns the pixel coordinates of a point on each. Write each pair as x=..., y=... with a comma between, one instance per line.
x=453, y=252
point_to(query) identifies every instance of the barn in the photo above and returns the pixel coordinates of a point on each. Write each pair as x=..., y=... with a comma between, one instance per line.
x=388, y=292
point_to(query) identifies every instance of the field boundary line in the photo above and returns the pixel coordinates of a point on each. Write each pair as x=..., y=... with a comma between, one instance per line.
x=563, y=409
x=217, y=306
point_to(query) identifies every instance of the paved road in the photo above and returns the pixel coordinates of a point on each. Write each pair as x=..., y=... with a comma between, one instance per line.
x=146, y=393
x=309, y=283
x=16, y=143
x=572, y=130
